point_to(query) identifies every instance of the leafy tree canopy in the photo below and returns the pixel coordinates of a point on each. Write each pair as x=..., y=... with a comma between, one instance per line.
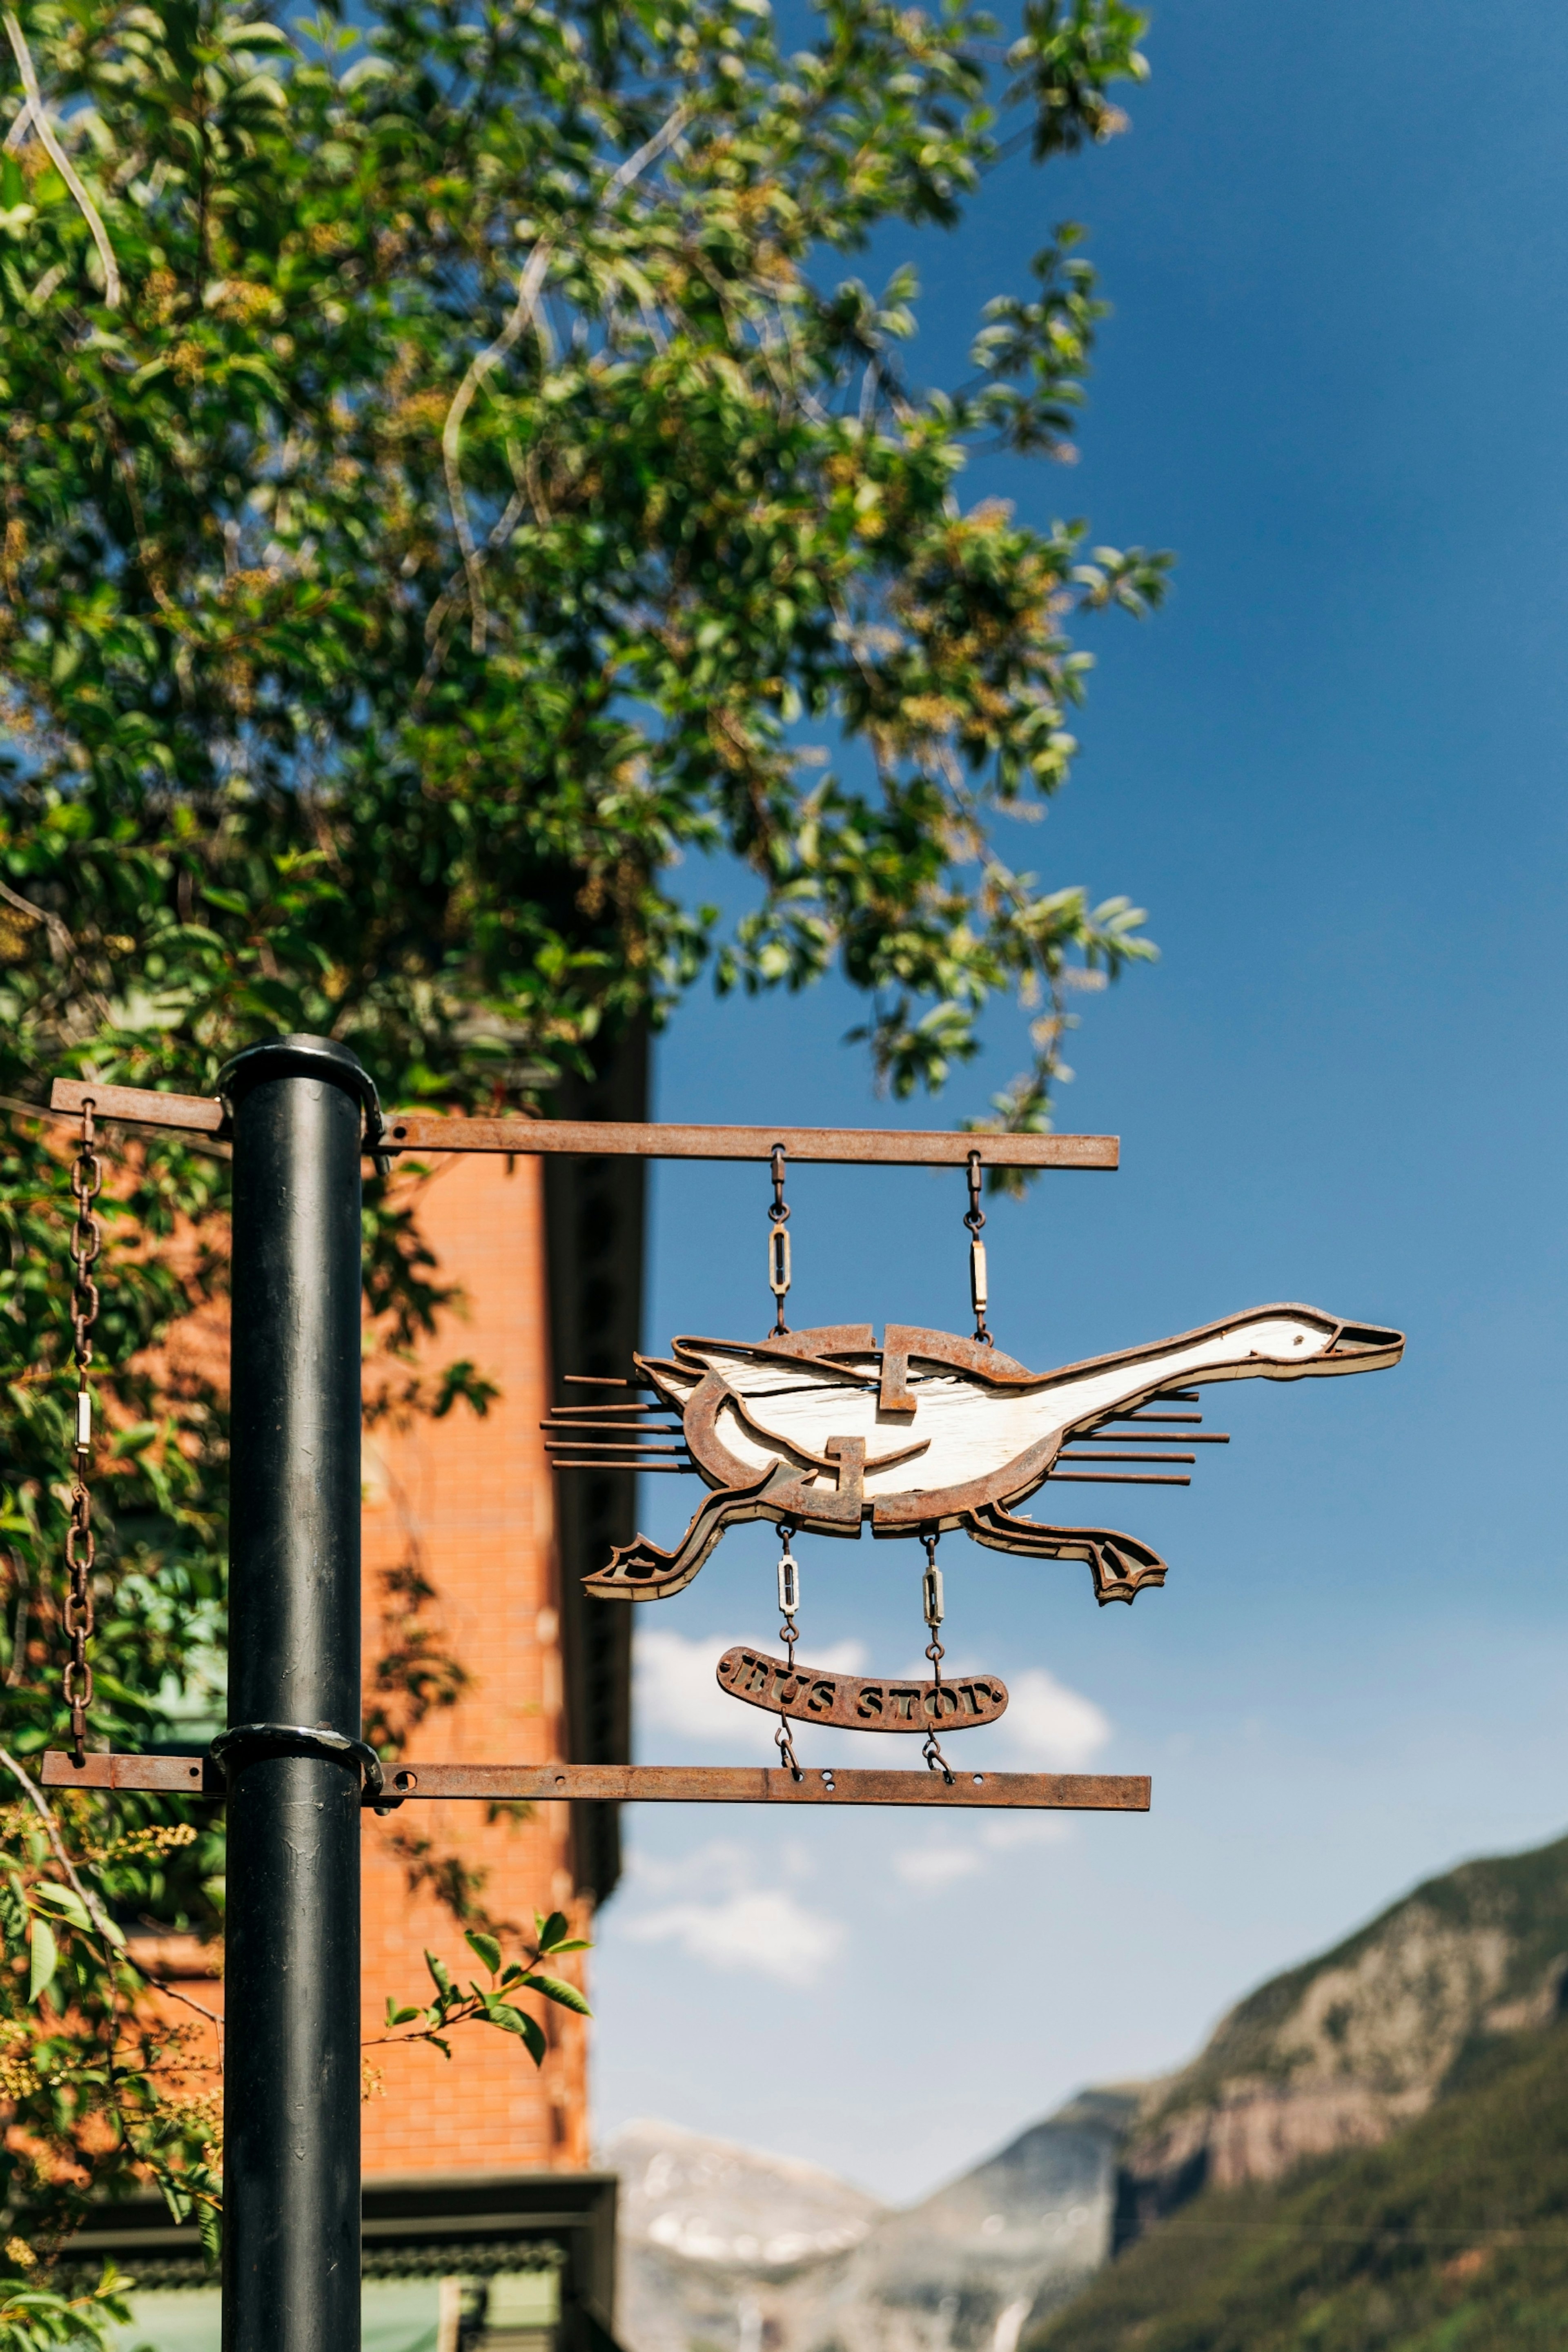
x=445, y=480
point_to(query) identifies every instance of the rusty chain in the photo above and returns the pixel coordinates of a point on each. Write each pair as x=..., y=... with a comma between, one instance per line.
x=778, y=1246
x=87, y=1240
x=975, y=1219
x=931, y=1609
x=789, y=1603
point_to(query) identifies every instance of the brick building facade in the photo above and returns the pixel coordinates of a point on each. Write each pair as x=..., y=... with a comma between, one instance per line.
x=463, y=1508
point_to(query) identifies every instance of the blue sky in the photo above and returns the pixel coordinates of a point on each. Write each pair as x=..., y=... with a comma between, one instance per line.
x=1335, y=384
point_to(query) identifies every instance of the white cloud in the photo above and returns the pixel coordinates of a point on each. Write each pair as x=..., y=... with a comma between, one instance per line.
x=759, y=1928
x=1026, y=1829
x=676, y=1689
x=933, y=1866
x=1049, y=1725
x=713, y=1912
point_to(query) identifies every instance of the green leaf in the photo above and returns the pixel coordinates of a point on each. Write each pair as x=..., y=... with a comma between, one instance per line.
x=439, y=1975
x=517, y=2020
x=554, y=1989
x=209, y=2221
x=551, y=1930
x=65, y=1901
x=176, y=2198
x=486, y=1947
x=46, y=1956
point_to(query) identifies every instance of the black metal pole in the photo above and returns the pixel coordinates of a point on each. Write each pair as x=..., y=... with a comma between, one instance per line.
x=291, y=2089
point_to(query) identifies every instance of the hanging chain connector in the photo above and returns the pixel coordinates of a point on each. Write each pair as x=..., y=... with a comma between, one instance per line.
x=789, y=1603
x=789, y=1591
x=975, y=1219
x=87, y=1240
x=931, y=1609
x=778, y=1246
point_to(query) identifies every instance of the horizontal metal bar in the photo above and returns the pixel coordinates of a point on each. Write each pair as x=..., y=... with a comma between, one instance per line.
x=623, y=1462
x=1154, y=1437
x=187, y=1776
x=626, y=1432
x=841, y=1145
x=1127, y=1457
x=148, y=1106
x=1115, y=1478
x=590, y=1139
x=554, y=1440
x=669, y=1784
x=1187, y=1419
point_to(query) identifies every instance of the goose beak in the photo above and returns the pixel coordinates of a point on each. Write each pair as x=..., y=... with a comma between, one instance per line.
x=1364, y=1348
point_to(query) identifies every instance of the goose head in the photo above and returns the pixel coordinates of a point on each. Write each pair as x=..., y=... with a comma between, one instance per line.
x=1287, y=1343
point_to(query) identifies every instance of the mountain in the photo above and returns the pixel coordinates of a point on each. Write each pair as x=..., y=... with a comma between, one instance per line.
x=1450, y=2237
x=1367, y=2156
x=723, y=2250
x=1357, y=2043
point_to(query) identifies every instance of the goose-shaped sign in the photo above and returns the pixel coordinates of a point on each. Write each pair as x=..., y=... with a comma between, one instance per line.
x=825, y=1430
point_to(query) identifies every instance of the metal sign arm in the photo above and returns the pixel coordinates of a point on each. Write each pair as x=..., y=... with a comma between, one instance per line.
x=675, y=1784
x=419, y=1131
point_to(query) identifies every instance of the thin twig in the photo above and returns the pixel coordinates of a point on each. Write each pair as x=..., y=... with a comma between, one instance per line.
x=86, y=1896
x=62, y=946
x=212, y=2016
x=635, y=165
x=62, y=162
x=40, y=1805
x=528, y=290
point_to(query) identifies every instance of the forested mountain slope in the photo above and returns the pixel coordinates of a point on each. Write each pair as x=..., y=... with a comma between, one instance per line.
x=1359, y=2041
x=1450, y=2237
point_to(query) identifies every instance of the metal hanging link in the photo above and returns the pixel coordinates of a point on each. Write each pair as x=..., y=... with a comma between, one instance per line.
x=778, y=1246
x=789, y=1603
x=931, y=1609
x=975, y=1219
x=87, y=1240
x=789, y=1591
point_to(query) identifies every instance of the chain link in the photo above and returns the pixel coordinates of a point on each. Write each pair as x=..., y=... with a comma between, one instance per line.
x=789, y=1601
x=778, y=1246
x=81, y=1548
x=932, y=1608
x=975, y=1219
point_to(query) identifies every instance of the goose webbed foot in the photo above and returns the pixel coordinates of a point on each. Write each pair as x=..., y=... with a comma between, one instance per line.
x=1120, y=1565
x=640, y=1570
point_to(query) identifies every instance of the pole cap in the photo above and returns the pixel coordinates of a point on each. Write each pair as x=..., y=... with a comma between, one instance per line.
x=303, y=1058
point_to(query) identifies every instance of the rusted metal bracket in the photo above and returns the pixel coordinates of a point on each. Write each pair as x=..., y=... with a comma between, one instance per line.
x=419, y=1131
x=677, y=1784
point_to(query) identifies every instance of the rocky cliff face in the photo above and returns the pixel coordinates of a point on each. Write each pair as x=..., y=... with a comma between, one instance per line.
x=1341, y=2052
x=726, y=2251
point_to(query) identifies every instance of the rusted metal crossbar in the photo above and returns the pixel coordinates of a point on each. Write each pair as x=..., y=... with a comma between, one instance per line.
x=419, y=1131
x=680, y=1784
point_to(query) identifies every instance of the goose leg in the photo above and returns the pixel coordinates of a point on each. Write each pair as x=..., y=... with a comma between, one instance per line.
x=1120, y=1565
x=641, y=1571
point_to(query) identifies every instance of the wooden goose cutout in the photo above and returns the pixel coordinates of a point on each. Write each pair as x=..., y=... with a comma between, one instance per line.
x=930, y=1432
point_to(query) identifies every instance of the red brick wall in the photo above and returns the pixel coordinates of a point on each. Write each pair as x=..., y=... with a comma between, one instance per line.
x=470, y=1502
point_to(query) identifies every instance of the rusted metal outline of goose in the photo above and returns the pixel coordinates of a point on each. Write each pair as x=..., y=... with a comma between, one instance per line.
x=731, y=1415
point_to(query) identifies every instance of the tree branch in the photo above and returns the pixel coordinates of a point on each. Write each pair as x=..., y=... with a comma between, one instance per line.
x=528, y=291
x=61, y=161
x=61, y=944
x=86, y=1896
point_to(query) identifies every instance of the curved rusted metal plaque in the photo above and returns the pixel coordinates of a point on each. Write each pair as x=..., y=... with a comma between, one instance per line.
x=859, y=1702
